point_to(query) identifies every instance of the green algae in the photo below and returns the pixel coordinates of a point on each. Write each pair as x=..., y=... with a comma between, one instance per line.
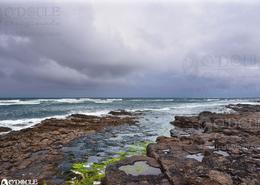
x=92, y=174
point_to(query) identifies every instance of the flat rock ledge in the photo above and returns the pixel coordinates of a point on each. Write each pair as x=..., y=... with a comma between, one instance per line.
x=36, y=152
x=208, y=149
x=137, y=170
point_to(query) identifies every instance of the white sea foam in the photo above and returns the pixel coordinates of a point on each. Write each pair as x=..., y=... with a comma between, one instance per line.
x=151, y=100
x=103, y=100
x=92, y=112
x=164, y=109
x=200, y=103
x=17, y=102
x=64, y=100
x=83, y=100
x=215, y=105
x=212, y=99
x=25, y=123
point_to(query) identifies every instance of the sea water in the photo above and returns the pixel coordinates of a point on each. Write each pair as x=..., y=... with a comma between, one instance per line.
x=22, y=113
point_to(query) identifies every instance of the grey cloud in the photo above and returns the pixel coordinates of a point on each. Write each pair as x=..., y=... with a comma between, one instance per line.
x=137, y=49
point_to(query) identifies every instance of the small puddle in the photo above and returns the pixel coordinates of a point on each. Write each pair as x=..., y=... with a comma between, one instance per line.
x=140, y=168
x=210, y=147
x=197, y=157
x=223, y=153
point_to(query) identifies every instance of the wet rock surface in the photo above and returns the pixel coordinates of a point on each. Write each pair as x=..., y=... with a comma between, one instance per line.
x=4, y=129
x=137, y=170
x=211, y=148
x=243, y=108
x=121, y=113
x=36, y=152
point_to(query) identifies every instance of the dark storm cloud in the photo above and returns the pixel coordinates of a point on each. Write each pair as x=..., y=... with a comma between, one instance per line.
x=129, y=49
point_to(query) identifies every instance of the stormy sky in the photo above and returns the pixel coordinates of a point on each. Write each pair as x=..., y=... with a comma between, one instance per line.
x=129, y=48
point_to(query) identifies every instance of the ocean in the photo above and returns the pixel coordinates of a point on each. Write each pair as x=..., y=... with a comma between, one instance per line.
x=22, y=113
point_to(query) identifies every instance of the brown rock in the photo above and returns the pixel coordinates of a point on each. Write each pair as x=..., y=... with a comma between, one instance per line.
x=220, y=177
x=138, y=170
x=120, y=113
x=186, y=122
x=243, y=108
x=5, y=129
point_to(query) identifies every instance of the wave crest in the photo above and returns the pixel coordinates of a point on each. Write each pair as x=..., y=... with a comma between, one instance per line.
x=56, y=101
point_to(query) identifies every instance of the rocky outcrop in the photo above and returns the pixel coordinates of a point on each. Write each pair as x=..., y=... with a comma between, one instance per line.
x=186, y=122
x=244, y=108
x=5, y=129
x=207, y=159
x=121, y=113
x=36, y=152
x=211, y=148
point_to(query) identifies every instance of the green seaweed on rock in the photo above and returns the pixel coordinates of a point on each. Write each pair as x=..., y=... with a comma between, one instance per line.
x=138, y=148
x=93, y=173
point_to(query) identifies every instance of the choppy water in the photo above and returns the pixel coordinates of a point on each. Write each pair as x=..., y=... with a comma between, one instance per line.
x=22, y=113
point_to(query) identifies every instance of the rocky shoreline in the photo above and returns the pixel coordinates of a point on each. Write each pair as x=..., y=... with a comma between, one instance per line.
x=211, y=148
x=34, y=153
x=208, y=149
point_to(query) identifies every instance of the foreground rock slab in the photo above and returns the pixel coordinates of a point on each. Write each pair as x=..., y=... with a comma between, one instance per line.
x=138, y=170
x=36, y=152
x=187, y=161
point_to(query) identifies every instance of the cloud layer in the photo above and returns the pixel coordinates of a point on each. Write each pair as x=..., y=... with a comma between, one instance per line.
x=129, y=49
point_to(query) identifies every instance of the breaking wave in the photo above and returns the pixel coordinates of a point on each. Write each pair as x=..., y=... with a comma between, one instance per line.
x=53, y=101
